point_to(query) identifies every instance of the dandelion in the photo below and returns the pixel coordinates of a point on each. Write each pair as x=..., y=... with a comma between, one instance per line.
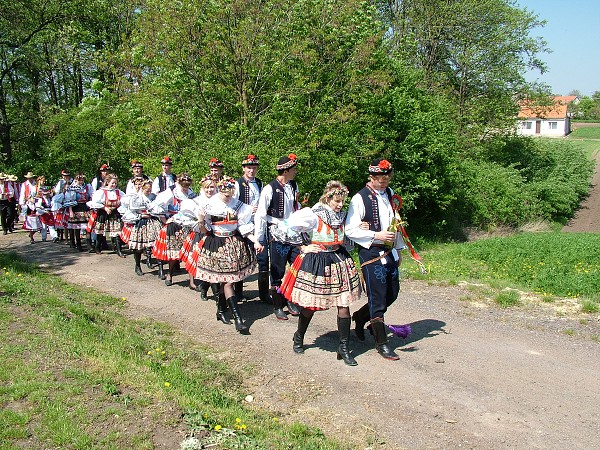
x=243, y=426
x=238, y=420
x=218, y=427
x=157, y=349
x=275, y=419
x=162, y=353
x=20, y=275
x=149, y=352
x=124, y=299
x=167, y=384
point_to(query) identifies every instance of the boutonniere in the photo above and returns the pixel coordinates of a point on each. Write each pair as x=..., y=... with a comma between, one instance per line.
x=277, y=190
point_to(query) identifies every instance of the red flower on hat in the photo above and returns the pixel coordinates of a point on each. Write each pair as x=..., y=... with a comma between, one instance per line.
x=133, y=162
x=292, y=156
x=166, y=158
x=251, y=158
x=214, y=160
x=384, y=164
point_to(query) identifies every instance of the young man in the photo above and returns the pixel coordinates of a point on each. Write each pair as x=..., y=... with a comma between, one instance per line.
x=28, y=187
x=216, y=169
x=247, y=190
x=166, y=180
x=378, y=252
x=98, y=180
x=138, y=172
x=278, y=200
x=7, y=193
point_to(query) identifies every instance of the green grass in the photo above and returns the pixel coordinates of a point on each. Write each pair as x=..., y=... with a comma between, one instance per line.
x=507, y=299
x=586, y=133
x=550, y=264
x=75, y=373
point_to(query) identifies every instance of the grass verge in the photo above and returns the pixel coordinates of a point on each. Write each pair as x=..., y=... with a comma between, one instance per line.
x=549, y=264
x=75, y=373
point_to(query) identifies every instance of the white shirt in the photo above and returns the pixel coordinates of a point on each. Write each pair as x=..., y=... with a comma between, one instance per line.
x=261, y=219
x=27, y=189
x=169, y=184
x=216, y=207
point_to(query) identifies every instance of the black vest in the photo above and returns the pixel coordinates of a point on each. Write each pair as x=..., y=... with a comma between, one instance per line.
x=275, y=208
x=162, y=181
x=245, y=189
x=369, y=198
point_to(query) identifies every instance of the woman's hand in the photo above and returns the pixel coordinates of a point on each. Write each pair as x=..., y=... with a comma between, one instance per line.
x=258, y=247
x=311, y=248
x=364, y=226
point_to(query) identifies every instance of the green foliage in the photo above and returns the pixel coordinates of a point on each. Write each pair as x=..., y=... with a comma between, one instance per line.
x=506, y=299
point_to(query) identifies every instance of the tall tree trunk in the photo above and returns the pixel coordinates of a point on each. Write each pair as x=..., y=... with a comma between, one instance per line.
x=5, y=129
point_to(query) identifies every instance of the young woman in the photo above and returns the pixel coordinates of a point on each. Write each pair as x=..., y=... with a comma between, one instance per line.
x=324, y=274
x=170, y=238
x=147, y=224
x=43, y=205
x=32, y=222
x=105, y=220
x=223, y=255
x=188, y=215
x=77, y=211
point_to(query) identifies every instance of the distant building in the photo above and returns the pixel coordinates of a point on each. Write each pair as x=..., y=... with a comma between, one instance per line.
x=550, y=121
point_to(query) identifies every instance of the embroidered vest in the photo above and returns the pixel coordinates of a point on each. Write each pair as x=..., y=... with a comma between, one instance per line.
x=369, y=198
x=325, y=235
x=245, y=189
x=276, y=207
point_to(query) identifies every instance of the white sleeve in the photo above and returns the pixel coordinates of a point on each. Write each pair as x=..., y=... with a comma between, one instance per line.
x=245, y=224
x=260, y=222
x=303, y=220
x=356, y=213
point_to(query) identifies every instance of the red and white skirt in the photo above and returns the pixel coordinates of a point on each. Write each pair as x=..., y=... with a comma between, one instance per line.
x=169, y=242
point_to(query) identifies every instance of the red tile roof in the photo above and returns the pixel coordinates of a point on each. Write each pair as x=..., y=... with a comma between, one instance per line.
x=556, y=111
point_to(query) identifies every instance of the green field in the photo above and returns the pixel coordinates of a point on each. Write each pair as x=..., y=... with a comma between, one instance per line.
x=586, y=133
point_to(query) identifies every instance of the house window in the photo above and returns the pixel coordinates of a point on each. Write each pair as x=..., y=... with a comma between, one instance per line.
x=526, y=125
x=553, y=125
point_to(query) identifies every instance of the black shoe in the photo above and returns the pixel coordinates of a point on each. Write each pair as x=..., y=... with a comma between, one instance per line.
x=280, y=314
x=298, y=341
x=138, y=271
x=359, y=326
x=293, y=309
x=168, y=282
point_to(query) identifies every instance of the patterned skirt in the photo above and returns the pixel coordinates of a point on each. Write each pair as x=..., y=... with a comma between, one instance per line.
x=143, y=233
x=32, y=223
x=47, y=219
x=222, y=259
x=169, y=242
x=107, y=224
x=60, y=219
x=79, y=219
x=322, y=280
x=125, y=233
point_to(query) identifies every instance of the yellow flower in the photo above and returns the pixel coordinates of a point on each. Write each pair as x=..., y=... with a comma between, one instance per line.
x=157, y=349
x=238, y=420
x=149, y=352
x=162, y=353
x=217, y=427
x=275, y=419
x=124, y=299
x=167, y=384
x=20, y=274
x=243, y=426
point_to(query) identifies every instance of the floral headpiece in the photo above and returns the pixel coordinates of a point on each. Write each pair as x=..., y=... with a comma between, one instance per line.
x=226, y=184
x=184, y=177
x=251, y=160
x=287, y=162
x=135, y=163
x=206, y=178
x=380, y=167
x=214, y=162
x=166, y=160
x=65, y=172
x=340, y=192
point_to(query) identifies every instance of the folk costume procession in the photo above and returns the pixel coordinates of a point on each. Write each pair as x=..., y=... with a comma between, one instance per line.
x=231, y=229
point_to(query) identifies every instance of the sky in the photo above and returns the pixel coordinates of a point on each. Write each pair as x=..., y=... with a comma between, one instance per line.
x=572, y=33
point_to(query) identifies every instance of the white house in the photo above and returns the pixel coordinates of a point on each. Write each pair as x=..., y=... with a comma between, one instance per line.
x=549, y=121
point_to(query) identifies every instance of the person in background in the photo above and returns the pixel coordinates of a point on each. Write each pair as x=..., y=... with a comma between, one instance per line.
x=378, y=252
x=137, y=168
x=6, y=194
x=77, y=211
x=166, y=180
x=324, y=274
x=278, y=200
x=32, y=222
x=14, y=203
x=106, y=221
x=57, y=208
x=44, y=209
x=216, y=168
x=98, y=181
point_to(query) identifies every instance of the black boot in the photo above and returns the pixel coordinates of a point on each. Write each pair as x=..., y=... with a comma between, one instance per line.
x=161, y=271
x=214, y=287
x=239, y=323
x=238, y=289
x=343, y=352
x=203, y=289
x=148, y=253
x=263, y=287
x=278, y=304
x=222, y=309
x=72, y=238
x=293, y=309
x=90, y=245
x=381, y=339
x=298, y=338
x=361, y=317
x=117, y=244
x=99, y=243
x=78, y=242
x=137, y=256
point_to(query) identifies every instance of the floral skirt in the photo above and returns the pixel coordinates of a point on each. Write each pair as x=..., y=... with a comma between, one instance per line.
x=144, y=233
x=47, y=219
x=322, y=280
x=107, y=224
x=79, y=219
x=222, y=259
x=60, y=219
x=32, y=223
x=169, y=241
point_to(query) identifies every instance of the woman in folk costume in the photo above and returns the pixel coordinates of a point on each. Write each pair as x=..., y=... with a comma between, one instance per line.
x=77, y=211
x=105, y=220
x=324, y=274
x=44, y=209
x=170, y=238
x=224, y=255
x=58, y=209
x=129, y=218
x=148, y=223
x=188, y=215
x=32, y=222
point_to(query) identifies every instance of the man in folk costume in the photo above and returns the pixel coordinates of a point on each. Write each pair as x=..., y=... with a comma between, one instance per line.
x=98, y=181
x=138, y=172
x=166, y=180
x=378, y=252
x=247, y=190
x=216, y=168
x=6, y=194
x=27, y=188
x=278, y=200
x=14, y=202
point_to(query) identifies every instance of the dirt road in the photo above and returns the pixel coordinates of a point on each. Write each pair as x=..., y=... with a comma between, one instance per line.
x=587, y=217
x=471, y=375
